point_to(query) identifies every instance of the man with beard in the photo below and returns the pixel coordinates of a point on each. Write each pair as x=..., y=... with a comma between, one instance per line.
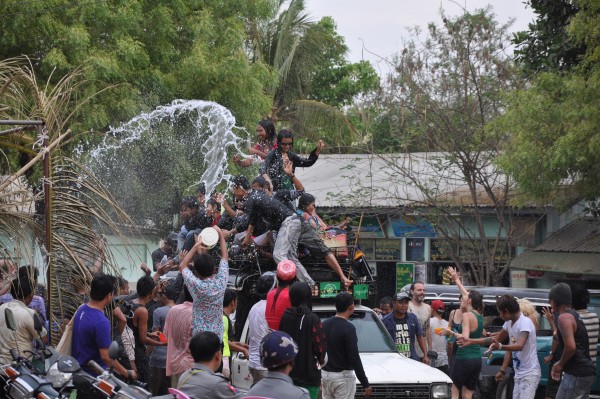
x=422, y=311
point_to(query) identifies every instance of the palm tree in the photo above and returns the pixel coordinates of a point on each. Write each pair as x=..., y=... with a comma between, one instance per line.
x=291, y=43
x=79, y=205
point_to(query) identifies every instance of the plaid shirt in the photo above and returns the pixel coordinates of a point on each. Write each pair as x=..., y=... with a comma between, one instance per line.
x=208, y=296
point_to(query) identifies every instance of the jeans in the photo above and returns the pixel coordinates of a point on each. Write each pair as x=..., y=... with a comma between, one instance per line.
x=525, y=387
x=338, y=385
x=572, y=387
x=286, y=246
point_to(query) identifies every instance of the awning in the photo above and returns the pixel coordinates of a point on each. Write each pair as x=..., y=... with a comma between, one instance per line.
x=565, y=262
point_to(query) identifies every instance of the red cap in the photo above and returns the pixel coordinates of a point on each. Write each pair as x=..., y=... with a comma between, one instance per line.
x=438, y=306
x=286, y=270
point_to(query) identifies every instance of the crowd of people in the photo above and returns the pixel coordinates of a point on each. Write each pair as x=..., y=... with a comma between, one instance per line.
x=175, y=330
x=454, y=345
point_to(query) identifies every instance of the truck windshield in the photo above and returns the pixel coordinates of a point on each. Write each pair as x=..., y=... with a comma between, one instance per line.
x=372, y=335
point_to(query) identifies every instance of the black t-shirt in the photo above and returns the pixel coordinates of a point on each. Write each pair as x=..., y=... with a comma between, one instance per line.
x=342, y=348
x=158, y=255
x=261, y=205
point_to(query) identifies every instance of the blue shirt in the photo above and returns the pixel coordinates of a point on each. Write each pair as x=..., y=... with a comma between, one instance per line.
x=404, y=333
x=91, y=332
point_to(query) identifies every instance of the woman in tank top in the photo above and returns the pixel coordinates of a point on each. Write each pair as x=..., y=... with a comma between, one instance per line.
x=467, y=360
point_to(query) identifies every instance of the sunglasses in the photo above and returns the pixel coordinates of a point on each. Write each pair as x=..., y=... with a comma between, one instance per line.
x=287, y=144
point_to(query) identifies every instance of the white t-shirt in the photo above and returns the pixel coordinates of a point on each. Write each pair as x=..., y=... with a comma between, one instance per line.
x=423, y=313
x=525, y=362
x=438, y=342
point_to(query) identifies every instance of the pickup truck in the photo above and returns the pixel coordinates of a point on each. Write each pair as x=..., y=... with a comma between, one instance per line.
x=390, y=374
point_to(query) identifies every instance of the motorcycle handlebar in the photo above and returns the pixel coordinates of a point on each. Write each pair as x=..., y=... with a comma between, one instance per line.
x=96, y=367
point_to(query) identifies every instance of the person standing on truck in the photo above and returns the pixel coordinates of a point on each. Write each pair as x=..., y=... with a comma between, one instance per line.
x=522, y=344
x=575, y=364
x=404, y=328
x=423, y=312
x=437, y=341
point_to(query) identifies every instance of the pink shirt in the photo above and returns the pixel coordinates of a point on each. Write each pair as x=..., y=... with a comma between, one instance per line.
x=178, y=329
x=273, y=314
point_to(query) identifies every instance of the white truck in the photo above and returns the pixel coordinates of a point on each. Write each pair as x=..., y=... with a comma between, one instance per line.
x=392, y=375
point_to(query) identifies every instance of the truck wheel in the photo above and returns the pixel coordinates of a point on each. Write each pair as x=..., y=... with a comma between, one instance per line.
x=505, y=388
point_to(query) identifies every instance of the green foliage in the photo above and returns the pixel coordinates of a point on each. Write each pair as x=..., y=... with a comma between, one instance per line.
x=555, y=125
x=300, y=53
x=447, y=86
x=157, y=51
x=337, y=82
x=547, y=46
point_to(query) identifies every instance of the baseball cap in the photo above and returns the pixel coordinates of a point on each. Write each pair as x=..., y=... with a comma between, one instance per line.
x=438, y=306
x=402, y=295
x=286, y=270
x=276, y=349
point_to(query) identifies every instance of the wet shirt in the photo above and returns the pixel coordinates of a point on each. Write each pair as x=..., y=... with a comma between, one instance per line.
x=423, y=313
x=525, y=362
x=261, y=205
x=208, y=299
x=580, y=364
x=273, y=166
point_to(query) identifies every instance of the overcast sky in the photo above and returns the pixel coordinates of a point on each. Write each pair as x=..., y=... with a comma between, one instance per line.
x=374, y=29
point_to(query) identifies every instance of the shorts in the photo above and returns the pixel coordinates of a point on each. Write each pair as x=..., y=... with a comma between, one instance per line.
x=465, y=373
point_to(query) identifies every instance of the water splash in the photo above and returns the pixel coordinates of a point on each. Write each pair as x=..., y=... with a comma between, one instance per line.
x=165, y=150
x=205, y=116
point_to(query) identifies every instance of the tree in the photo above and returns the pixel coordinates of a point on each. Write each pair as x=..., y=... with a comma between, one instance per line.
x=547, y=46
x=74, y=204
x=554, y=124
x=448, y=86
x=336, y=81
x=154, y=51
x=299, y=51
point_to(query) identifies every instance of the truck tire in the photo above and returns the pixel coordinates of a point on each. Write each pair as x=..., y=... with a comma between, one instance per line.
x=505, y=387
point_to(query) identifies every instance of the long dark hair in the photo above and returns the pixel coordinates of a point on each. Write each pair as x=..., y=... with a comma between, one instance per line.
x=281, y=285
x=301, y=298
x=269, y=127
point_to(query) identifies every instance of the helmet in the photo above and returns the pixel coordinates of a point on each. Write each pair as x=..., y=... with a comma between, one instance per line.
x=265, y=283
x=286, y=270
x=276, y=349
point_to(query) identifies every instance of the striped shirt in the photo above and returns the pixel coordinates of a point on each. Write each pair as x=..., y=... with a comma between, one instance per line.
x=591, y=322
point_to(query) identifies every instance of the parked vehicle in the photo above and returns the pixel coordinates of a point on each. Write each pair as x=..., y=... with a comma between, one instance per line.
x=491, y=363
x=390, y=374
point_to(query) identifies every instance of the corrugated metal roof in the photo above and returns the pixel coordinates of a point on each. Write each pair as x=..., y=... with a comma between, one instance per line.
x=566, y=262
x=582, y=236
x=393, y=180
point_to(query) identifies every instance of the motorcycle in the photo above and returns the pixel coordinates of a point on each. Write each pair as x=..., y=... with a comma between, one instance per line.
x=107, y=385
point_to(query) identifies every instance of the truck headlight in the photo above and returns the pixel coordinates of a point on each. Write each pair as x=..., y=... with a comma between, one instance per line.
x=441, y=391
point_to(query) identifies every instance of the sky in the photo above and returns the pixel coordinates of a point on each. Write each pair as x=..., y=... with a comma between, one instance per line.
x=374, y=29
